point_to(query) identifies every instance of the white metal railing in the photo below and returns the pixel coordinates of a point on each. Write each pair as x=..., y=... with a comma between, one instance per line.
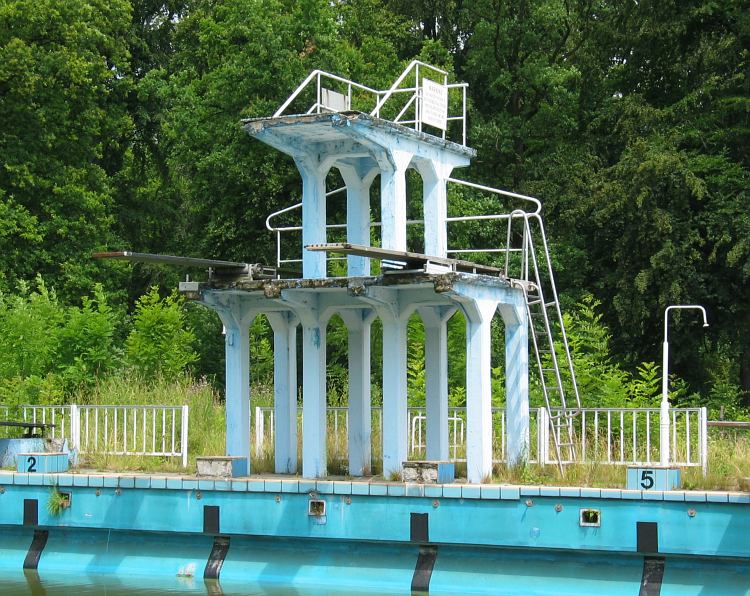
x=148, y=430
x=281, y=231
x=401, y=103
x=630, y=436
x=614, y=436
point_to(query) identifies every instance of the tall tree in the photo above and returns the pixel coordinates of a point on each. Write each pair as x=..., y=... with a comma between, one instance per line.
x=63, y=65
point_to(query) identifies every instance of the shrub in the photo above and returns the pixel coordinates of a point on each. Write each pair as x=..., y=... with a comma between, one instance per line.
x=160, y=343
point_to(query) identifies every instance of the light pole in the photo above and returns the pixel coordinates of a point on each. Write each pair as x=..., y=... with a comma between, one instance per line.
x=664, y=410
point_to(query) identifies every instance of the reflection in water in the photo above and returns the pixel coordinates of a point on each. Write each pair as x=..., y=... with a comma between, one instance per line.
x=33, y=583
x=30, y=582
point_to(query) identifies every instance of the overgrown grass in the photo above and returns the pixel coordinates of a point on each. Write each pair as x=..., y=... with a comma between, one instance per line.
x=729, y=452
x=206, y=430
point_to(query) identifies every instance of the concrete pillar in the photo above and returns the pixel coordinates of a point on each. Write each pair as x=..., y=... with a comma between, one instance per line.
x=236, y=318
x=479, y=390
x=306, y=307
x=435, y=321
x=314, y=452
x=393, y=199
x=435, y=206
x=516, y=384
x=358, y=323
x=313, y=214
x=479, y=304
x=357, y=214
x=395, y=416
x=284, y=326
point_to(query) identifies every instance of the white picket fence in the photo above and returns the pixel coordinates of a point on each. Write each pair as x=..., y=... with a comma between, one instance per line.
x=148, y=430
x=615, y=436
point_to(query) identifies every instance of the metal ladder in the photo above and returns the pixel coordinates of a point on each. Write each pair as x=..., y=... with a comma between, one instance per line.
x=546, y=327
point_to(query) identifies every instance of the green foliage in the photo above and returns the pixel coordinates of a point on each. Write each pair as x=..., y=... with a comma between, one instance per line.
x=48, y=349
x=57, y=502
x=86, y=349
x=159, y=344
x=120, y=127
x=62, y=67
x=415, y=364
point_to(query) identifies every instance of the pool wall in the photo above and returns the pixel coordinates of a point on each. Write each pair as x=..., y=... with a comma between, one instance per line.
x=388, y=536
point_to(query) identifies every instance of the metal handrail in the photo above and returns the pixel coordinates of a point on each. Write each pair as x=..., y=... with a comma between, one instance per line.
x=381, y=97
x=518, y=213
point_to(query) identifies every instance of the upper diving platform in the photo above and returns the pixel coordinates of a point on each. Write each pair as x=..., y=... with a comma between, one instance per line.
x=332, y=122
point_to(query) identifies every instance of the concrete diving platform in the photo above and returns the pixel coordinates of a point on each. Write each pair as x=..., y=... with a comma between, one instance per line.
x=393, y=298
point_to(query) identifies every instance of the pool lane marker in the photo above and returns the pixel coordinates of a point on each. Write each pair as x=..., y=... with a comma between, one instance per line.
x=653, y=574
x=216, y=558
x=35, y=550
x=420, y=581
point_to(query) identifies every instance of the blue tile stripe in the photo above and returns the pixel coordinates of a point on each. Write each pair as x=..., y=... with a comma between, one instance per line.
x=486, y=492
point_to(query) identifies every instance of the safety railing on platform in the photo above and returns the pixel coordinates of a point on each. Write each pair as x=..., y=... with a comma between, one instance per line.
x=414, y=100
x=145, y=430
x=614, y=436
x=282, y=231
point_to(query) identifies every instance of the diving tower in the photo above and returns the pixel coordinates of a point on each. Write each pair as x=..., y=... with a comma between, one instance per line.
x=366, y=135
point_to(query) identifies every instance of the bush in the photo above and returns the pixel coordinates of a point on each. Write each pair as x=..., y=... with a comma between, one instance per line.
x=160, y=343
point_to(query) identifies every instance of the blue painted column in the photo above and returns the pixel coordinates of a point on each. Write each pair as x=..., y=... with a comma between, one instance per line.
x=393, y=198
x=236, y=318
x=358, y=184
x=395, y=416
x=516, y=383
x=479, y=389
x=359, y=432
x=314, y=449
x=435, y=321
x=435, y=175
x=284, y=326
x=314, y=453
x=313, y=214
x=479, y=304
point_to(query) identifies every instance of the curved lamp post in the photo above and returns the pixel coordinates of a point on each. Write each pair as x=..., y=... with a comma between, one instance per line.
x=664, y=410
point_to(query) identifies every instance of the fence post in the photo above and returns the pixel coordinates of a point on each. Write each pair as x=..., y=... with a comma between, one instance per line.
x=184, y=435
x=703, y=430
x=259, y=423
x=75, y=427
x=542, y=434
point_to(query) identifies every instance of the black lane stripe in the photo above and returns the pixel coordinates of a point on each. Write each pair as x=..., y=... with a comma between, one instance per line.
x=647, y=537
x=216, y=558
x=653, y=573
x=30, y=512
x=35, y=550
x=419, y=527
x=420, y=581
